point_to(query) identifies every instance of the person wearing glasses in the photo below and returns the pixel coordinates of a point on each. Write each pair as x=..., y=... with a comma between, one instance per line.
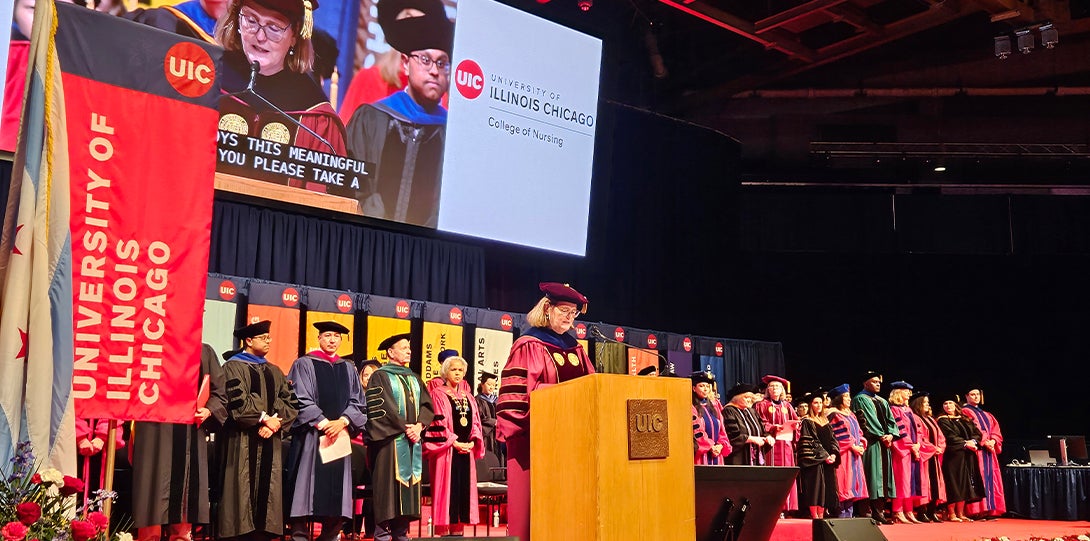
x=331, y=408
x=276, y=34
x=260, y=409
x=404, y=133
x=545, y=354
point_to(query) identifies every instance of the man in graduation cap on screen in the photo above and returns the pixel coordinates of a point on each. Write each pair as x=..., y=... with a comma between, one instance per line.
x=330, y=405
x=398, y=409
x=260, y=410
x=404, y=133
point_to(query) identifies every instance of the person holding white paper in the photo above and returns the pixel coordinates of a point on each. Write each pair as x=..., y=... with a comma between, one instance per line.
x=781, y=422
x=330, y=407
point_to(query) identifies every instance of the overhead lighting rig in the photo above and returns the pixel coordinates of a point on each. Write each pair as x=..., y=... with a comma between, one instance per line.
x=1024, y=39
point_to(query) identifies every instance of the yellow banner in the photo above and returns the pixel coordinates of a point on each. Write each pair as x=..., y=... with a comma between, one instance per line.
x=381, y=328
x=437, y=337
x=348, y=320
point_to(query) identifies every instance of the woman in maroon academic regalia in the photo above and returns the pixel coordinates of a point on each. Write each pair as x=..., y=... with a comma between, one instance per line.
x=545, y=354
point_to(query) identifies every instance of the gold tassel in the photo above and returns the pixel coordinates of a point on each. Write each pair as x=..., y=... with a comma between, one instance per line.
x=308, y=21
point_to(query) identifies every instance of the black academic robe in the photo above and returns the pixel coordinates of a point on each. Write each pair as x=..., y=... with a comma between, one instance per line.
x=170, y=474
x=960, y=467
x=385, y=432
x=252, y=498
x=488, y=424
x=740, y=424
x=409, y=164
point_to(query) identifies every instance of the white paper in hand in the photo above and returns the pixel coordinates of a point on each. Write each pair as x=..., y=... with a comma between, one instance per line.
x=331, y=449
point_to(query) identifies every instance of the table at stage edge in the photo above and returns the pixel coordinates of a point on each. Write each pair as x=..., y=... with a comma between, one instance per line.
x=1047, y=492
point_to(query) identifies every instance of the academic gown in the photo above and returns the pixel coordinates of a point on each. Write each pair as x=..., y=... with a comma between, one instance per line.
x=994, y=503
x=708, y=430
x=960, y=468
x=538, y=358
x=185, y=19
x=294, y=93
x=252, y=498
x=774, y=414
x=442, y=458
x=851, y=479
x=327, y=388
x=876, y=420
x=933, y=460
x=170, y=474
x=817, y=478
x=487, y=410
x=405, y=141
x=396, y=398
x=740, y=424
x=910, y=479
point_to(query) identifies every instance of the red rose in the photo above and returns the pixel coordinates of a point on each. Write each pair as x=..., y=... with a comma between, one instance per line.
x=100, y=520
x=71, y=486
x=28, y=512
x=36, y=479
x=83, y=530
x=13, y=531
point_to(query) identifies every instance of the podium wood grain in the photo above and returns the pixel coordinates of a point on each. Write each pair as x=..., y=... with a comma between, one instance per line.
x=584, y=487
x=281, y=192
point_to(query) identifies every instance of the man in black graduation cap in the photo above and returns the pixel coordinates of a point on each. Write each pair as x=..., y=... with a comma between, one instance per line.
x=398, y=409
x=404, y=133
x=330, y=407
x=260, y=410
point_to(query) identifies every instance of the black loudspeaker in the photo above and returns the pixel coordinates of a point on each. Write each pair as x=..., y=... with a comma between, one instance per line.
x=847, y=529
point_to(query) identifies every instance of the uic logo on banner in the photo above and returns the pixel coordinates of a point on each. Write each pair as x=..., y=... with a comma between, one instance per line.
x=344, y=303
x=189, y=69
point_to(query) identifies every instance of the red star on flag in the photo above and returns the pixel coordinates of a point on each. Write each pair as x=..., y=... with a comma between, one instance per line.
x=15, y=245
x=22, y=348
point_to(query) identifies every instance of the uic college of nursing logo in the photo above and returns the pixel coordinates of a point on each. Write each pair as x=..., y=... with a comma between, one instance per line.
x=469, y=79
x=189, y=69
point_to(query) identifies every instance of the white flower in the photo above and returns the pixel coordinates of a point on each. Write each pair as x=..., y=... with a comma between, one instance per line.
x=52, y=491
x=124, y=536
x=52, y=475
x=1083, y=537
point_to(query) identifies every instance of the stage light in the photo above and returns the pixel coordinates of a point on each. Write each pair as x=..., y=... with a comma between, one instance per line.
x=940, y=168
x=1002, y=47
x=585, y=5
x=1024, y=39
x=1049, y=36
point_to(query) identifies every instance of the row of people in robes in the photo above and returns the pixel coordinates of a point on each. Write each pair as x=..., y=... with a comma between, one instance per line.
x=402, y=134
x=860, y=451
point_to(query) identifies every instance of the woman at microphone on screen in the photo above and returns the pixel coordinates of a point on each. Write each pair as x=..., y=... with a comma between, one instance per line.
x=268, y=42
x=545, y=354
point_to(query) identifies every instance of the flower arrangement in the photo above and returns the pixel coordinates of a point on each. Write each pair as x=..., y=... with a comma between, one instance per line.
x=43, y=506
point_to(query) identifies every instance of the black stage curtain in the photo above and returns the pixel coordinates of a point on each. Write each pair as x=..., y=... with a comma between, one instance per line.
x=752, y=360
x=272, y=245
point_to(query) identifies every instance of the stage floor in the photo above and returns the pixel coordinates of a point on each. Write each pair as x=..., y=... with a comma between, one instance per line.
x=1013, y=528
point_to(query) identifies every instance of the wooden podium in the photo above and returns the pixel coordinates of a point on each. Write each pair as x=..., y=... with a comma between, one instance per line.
x=585, y=486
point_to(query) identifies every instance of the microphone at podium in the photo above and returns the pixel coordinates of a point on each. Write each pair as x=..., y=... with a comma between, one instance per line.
x=597, y=334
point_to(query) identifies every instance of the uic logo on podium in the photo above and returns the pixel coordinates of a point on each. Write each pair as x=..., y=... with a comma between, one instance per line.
x=648, y=429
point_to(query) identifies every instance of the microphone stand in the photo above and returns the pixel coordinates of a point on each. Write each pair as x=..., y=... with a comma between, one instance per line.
x=598, y=335
x=250, y=89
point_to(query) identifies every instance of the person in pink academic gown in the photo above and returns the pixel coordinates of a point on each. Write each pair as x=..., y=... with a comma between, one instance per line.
x=909, y=475
x=452, y=445
x=991, y=445
x=931, y=455
x=710, y=443
x=851, y=480
x=775, y=411
x=545, y=354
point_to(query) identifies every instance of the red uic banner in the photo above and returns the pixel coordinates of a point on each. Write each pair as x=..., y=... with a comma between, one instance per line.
x=141, y=195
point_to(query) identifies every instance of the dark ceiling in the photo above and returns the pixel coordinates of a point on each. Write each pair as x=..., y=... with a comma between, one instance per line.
x=860, y=91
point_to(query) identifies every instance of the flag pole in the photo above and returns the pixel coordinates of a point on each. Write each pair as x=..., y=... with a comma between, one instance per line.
x=108, y=479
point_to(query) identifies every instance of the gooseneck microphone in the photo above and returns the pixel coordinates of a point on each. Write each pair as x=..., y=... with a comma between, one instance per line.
x=251, y=89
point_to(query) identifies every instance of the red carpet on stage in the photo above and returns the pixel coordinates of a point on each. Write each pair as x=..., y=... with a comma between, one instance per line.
x=1015, y=529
